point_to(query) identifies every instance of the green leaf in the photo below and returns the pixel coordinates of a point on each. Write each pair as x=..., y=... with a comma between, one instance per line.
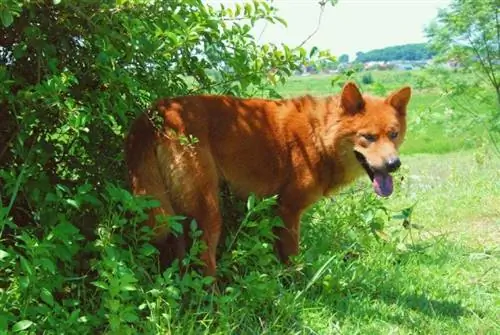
x=65, y=230
x=47, y=297
x=248, y=9
x=250, y=202
x=174, y=222
x=100, y=284
x=282, y=21
x=56, y=2
x=193, y=225
x=22, y=325
x=4, y=322
x=6, y=17
x=24, y=282
x=85, y=188
x=302, y=52
x=179, y=20
x=25, y=265
x=313, y=52
x=148, y=250
x=129, y=287
x=72, y=203
x=3, y=254
x=130, y=316
x=47, y=264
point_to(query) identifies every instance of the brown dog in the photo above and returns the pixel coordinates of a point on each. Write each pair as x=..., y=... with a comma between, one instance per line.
x=301, y=149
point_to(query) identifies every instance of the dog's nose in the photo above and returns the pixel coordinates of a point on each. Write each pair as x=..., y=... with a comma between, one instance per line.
x=392, y=164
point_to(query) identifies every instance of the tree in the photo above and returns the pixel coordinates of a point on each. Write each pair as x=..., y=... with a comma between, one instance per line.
x=73, y=75
x=344, y=58
x=468, y=32
x=416, y=51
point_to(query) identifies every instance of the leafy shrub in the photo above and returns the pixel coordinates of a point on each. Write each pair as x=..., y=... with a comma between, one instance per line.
x=73, y=258
x=367, y=78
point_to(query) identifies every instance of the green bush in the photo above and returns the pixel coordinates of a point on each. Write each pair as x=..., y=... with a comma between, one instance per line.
x=73, y=256
x=367, y=79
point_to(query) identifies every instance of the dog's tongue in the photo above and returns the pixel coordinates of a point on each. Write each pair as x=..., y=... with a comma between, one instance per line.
x=382, y=184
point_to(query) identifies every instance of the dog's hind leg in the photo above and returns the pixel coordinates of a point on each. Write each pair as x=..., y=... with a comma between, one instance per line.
x=146, y=179
x=191, y=178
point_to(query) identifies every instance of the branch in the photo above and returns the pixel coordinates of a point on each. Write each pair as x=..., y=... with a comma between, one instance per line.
x=9, y=141
x=220, y=83
x=498, y=29
x=322, y=4
x=481, y=61
x=491, y=67
x=239, y=18
x=263, y=30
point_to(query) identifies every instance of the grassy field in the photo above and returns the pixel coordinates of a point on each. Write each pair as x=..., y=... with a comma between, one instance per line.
x=444, y=275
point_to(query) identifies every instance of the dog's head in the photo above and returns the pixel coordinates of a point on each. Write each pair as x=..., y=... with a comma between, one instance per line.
x=378, y=127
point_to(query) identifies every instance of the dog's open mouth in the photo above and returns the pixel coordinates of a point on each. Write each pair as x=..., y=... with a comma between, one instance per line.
x=381, y=180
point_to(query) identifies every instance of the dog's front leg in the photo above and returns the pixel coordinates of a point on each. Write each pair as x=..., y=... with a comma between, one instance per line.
x=287, y=243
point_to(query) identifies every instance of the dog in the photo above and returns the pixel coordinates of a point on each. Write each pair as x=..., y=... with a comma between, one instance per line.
x=301, y=149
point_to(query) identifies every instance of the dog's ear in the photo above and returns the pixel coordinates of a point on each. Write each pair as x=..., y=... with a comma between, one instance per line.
x=351, y=99
x=399, y=99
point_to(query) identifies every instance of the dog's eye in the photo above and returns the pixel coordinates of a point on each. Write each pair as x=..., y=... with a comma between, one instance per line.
x=393, y=135
x=369, y=137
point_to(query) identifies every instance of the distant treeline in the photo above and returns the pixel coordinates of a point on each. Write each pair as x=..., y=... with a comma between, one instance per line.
x=416, y=51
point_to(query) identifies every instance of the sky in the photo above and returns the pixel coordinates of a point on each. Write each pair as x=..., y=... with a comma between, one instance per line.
x=351, y=25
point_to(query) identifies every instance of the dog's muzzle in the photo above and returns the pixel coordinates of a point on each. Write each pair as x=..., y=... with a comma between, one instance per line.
x=381, y=179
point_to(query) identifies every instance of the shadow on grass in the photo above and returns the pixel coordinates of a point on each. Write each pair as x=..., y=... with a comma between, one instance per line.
x=390, y=288
x=410, y=310
x=429, y=306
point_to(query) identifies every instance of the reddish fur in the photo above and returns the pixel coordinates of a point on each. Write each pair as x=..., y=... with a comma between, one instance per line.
x=300, y=149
